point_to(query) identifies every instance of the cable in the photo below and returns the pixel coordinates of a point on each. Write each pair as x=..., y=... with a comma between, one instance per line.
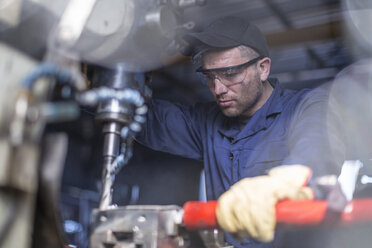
x=51, y=71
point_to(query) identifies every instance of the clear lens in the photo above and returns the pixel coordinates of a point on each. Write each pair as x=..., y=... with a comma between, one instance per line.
x=228, y=77
x=232, y=76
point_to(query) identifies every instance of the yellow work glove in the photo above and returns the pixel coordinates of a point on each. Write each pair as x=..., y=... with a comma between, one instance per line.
x=247, y=209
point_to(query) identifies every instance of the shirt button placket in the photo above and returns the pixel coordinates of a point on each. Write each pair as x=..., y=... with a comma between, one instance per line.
x=233, y=166
x=231, y=156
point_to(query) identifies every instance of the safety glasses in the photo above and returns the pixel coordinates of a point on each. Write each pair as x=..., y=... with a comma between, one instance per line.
x=226, y=75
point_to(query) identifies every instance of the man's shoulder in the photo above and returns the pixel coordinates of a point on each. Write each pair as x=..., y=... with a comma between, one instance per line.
x=288, y=97
x=319, y=92
x=294, y=100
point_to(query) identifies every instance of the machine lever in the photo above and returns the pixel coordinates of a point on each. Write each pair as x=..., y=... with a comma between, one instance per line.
x=202, y=215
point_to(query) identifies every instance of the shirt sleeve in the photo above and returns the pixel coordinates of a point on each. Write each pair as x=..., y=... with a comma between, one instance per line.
x=173, y=128
x=315, y=137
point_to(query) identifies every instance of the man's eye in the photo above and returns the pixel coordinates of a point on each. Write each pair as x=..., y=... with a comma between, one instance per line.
x=230, y=74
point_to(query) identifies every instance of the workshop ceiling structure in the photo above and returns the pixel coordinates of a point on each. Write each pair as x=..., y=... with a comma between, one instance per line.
x=307, y=42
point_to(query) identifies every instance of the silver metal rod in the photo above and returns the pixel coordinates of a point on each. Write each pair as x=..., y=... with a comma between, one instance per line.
x=111, y=148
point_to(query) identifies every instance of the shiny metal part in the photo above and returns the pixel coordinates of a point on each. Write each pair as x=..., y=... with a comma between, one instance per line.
x=114, y=114
x=120, y=124
x=111, y=132
x=149, y=226
x=111, y=147
x=137, y=226
x=122, y=111
x=214, y=239
x=114, y=110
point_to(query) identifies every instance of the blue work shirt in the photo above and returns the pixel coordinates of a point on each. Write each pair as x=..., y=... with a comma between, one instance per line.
x=290, y=128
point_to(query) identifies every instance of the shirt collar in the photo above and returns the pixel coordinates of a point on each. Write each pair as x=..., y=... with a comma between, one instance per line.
x=274, y=102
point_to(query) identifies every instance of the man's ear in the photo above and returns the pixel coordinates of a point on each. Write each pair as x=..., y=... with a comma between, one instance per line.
x=264, y=66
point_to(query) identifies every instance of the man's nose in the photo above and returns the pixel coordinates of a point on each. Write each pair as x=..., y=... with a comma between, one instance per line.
x=219, y=88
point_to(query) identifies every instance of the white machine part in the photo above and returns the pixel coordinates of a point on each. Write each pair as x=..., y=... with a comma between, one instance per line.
x=131, y=33
x=43, y=43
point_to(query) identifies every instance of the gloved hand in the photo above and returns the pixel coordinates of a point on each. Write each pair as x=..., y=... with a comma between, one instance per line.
x=247, y=209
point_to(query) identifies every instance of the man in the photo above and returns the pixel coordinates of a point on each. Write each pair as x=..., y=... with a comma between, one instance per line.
x=253, y=126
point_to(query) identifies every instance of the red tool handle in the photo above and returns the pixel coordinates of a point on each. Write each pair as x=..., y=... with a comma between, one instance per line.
x=202, y=215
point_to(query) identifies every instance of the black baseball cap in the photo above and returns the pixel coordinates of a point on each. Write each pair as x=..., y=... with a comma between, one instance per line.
x=225, y=32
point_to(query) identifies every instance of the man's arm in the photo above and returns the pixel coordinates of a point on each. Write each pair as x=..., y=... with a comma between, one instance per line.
x=315, y=137
x=172, y=128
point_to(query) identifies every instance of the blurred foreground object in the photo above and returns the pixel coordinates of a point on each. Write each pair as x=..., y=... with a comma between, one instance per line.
x=358, y=17
x=31, y=161
x=132, y=33
x=42, y=46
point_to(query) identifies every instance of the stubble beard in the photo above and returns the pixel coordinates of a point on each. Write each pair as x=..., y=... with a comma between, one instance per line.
x=246, y=102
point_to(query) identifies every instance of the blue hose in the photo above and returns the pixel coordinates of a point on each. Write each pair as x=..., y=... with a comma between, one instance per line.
x=50, y=71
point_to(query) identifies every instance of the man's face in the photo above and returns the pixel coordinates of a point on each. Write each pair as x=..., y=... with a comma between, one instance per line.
x=239, y=98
